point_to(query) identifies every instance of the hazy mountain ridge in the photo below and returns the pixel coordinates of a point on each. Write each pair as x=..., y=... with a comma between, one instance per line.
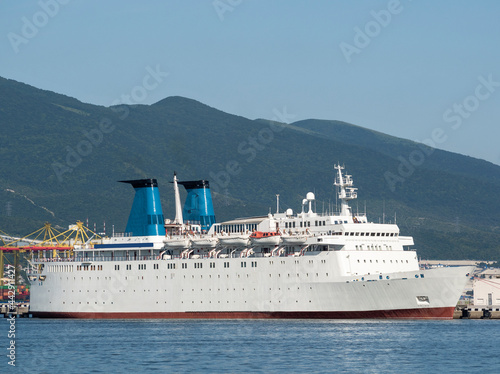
x=435, y=159
x=66, y=156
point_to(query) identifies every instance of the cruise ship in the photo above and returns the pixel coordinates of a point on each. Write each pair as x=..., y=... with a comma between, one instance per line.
x=282, y=265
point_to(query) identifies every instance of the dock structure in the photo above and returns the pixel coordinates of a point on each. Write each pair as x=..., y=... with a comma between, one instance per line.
x=475, y=312
x=486, y=301
x=19, y=310
x=461, y=312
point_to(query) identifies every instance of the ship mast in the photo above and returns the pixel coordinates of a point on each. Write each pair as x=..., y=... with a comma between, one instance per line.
x=346, y=191
x=178, y=210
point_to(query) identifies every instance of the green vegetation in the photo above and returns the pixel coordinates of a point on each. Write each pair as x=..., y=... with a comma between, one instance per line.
x=61, y=159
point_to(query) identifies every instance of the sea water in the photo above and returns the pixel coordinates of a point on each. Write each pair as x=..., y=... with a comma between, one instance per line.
x=251, y=346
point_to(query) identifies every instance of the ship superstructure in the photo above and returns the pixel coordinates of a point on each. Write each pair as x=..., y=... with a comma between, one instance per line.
x=282, y=265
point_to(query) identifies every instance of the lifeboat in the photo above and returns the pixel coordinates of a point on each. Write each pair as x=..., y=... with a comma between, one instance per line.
x=177, y=242
x=208, y=242
x=265, y=238
x=239, y=240
x=294, y=239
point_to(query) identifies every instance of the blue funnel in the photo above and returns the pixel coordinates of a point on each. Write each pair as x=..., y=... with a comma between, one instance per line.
x=198, y=207
x=146, y=215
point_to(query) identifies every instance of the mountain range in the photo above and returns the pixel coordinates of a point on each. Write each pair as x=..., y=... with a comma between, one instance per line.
x=61, y=160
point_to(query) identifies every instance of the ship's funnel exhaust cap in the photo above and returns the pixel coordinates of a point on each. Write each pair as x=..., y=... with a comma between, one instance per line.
x=146, y=216
x=140, y=183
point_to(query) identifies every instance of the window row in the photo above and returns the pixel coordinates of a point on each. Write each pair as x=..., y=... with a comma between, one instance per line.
x=88, y=267
x=235, y=228
x=373, y=247
x=370, y=234
x=383, y=261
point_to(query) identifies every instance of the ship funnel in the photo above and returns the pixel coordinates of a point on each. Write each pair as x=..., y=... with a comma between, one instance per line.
x=198, y=207
x=146, y=215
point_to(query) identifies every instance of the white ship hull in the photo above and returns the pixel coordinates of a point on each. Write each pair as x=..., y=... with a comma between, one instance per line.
x=277, y=287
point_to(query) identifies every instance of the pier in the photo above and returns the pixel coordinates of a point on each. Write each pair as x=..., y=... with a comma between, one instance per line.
x=19, y=311
x=474, y=312
x=461, y=312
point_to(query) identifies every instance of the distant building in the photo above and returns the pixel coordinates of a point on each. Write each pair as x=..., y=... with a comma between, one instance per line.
x=486, y=288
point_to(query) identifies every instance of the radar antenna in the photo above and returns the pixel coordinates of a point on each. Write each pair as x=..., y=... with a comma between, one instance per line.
x=346, y=191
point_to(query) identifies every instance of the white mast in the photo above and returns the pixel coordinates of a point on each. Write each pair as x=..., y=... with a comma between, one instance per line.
x=178, y=210
x=346, y=193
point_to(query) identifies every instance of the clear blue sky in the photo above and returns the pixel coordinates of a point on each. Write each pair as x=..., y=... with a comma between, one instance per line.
x=413, y=69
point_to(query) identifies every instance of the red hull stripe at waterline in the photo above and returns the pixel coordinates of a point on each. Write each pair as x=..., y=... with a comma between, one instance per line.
x=420, y=313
